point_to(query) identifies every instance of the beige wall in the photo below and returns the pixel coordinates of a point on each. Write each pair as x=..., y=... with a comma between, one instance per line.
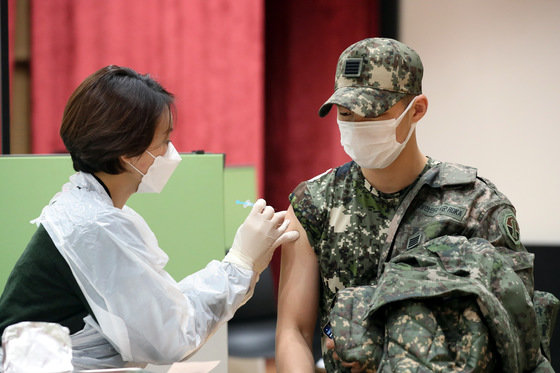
x=492, y=77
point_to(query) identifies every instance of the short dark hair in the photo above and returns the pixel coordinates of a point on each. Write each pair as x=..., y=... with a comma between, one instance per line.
x=113, y=112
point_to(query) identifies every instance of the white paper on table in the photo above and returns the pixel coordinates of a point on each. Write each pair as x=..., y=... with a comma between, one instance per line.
x=193, y=367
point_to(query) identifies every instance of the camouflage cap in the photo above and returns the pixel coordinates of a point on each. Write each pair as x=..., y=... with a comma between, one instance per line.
x=374, y=74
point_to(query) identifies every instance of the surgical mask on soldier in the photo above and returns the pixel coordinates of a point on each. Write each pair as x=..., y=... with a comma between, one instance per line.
x=159, y=172
x=373, y=144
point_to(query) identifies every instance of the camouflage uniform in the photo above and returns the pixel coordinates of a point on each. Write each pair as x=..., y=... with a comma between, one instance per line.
x=355, y=229
x=453, y=304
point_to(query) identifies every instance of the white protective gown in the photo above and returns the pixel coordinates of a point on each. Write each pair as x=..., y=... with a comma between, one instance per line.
x=140, y=309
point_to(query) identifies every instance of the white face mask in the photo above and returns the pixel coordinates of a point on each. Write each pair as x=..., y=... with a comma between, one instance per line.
x=159, y=172
x=373, y=144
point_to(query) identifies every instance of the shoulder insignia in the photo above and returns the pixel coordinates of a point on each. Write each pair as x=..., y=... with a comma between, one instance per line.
x=510, y=227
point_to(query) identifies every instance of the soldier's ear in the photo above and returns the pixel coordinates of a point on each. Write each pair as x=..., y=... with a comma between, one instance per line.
x=420, y=108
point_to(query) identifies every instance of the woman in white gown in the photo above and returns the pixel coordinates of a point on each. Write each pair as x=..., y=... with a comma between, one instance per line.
x=105, y=279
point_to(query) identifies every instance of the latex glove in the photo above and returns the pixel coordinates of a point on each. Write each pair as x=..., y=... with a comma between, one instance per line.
x=261, y=232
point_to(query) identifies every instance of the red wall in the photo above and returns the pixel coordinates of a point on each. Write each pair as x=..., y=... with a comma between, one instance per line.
x=209, y=53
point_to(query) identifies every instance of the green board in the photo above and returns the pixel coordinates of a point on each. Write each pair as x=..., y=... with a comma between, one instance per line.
x=187, y=217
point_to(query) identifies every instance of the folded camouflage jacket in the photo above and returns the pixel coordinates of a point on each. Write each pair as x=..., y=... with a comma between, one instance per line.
x=451, y=304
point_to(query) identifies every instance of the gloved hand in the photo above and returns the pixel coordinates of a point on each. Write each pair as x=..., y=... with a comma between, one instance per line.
x=258, y=236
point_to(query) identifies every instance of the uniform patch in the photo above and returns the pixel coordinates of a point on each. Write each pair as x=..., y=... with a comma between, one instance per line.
x=352, y=67
x=414, y=240
x=454, y=212
x=510, y=227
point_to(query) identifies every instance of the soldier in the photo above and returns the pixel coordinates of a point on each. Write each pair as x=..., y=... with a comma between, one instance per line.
x=389, y=199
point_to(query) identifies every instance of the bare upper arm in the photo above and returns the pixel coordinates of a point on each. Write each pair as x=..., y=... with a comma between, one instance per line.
x=298, y=290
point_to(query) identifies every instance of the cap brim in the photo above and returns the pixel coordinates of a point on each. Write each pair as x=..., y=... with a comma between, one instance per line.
x=364, y=101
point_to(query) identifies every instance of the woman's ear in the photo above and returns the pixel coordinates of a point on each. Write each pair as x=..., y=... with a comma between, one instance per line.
x=420, y=107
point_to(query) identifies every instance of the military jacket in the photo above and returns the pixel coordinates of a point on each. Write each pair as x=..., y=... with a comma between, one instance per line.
x=450, y=305
x=354, y=229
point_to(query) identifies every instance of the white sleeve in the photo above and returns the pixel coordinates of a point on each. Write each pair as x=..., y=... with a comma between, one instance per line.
x=215, y=292
x=143, y=312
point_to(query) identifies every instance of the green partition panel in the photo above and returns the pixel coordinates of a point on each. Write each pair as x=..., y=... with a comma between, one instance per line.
x=187, y=217
x=240, y=185
x=28, y=184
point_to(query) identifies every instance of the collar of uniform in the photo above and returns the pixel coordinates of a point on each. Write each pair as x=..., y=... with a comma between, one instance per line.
x=449, y=174
x=397, y=195
x=386, y=196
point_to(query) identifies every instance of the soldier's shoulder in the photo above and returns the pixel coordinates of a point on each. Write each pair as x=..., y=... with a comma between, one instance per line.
x=455, y=173
x=485, y=182
x=345, y=170
x=450, y=174
x=315, y=185
x=333, y=175
x=491, y=188
x=469, y=182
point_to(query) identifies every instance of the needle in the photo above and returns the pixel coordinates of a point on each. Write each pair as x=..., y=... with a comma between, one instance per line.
x=245, y=204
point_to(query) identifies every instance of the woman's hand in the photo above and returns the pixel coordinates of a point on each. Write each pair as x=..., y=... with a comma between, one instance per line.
x=259, y=235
